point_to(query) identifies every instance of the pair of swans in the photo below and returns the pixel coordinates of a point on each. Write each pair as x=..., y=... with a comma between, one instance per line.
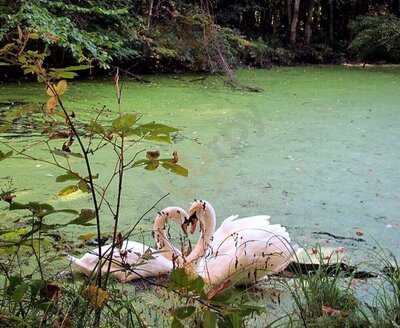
x=240, y=251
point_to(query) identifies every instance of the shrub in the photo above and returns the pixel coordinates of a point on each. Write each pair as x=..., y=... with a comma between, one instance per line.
x=376, y=38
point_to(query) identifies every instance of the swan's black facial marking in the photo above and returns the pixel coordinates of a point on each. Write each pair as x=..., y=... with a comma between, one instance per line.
x=191, y=221
x=204, y=206
x=193, y=216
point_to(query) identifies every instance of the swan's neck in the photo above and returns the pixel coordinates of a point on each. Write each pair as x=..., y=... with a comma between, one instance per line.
x=164, y=245
x=207, y=225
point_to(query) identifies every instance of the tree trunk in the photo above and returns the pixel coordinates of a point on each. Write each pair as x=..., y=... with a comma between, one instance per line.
x=396, y=7
x=295, y=20
x=289, y=12
x=331, y=22
x=309, y=21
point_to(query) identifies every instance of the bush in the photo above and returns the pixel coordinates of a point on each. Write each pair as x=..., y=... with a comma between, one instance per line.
x=376, y=38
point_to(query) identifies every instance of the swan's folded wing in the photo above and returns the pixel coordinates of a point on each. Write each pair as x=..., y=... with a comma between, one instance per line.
x=233, y=224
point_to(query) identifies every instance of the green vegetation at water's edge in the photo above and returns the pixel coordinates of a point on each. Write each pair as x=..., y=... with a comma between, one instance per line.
x=202, y=36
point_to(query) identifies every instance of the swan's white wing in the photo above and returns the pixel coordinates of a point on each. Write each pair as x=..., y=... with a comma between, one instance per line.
x=140, y=267
x=249, y=249
x=232, y=224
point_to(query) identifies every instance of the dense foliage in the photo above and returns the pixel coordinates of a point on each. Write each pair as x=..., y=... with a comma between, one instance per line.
x=189, y=35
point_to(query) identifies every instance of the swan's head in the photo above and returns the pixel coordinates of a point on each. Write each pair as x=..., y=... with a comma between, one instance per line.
x=202, y=211
x=173, y=213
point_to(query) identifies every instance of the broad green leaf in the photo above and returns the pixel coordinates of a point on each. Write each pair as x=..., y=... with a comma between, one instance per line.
x=14, y=235
x=175, y=168
x=159, y=138
x=225, y=297
x=63, y=74
x=68, y=190
x=157, y=127
x=67, y=177
x=176, y=323
x=36, y=285
x=179, y=277
x=13, y=282
x=184, y=311
x=155, y=132
x=209, y=319
x=123, y=123
x=67, y=210
x=197, y=285
x=84, y=217
x=35, y=207
x=77, y=155
x=76, y=68
x=19, y=292
x=3, y=156
x=60, y=152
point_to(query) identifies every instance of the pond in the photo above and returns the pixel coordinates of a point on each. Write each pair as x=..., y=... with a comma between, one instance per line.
x=318, y=150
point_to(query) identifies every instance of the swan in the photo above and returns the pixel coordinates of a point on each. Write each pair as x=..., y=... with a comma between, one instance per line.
x=135, y=260
x=241, y=251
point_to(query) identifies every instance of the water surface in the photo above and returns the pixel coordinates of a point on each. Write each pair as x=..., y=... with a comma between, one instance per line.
x=318, y=150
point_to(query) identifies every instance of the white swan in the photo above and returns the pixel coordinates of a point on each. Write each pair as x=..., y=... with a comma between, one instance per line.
x=241, y=251
x=135, y=260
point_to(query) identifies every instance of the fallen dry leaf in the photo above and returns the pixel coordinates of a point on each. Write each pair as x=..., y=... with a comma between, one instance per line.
x=51, y=105
x=96, y=296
